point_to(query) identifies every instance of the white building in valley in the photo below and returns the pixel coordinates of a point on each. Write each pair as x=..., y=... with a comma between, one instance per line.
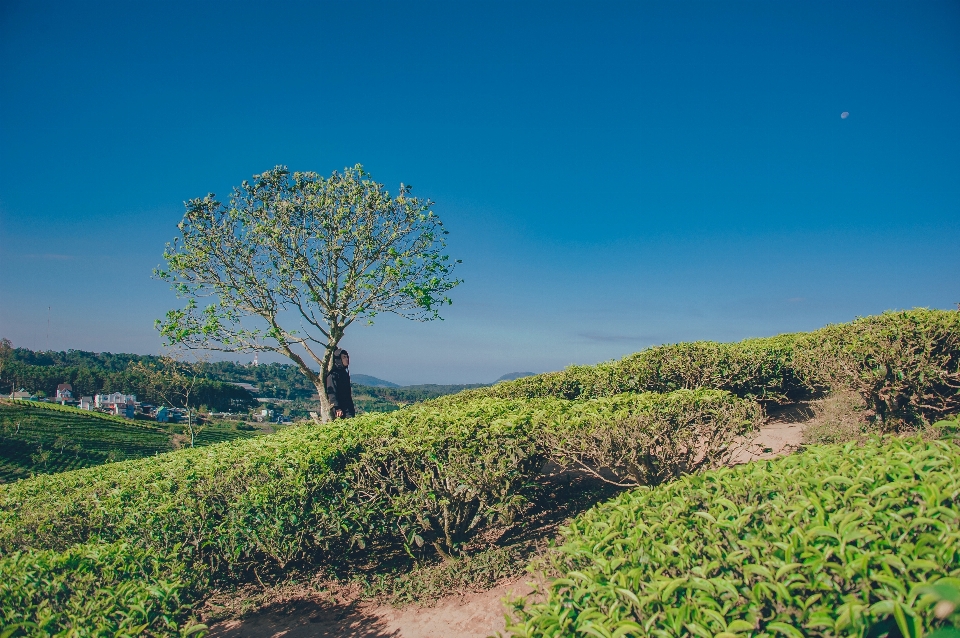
x=117, y=403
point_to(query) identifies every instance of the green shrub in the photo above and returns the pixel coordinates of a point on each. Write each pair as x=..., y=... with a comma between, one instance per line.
x=444, y=471
x=822, y=543
x=648, y=438
x=906, y=365
x=437, y=475
x=756, y=369
x=93, y=590
x=425, y=472
x=419, y=477
x=227, y=506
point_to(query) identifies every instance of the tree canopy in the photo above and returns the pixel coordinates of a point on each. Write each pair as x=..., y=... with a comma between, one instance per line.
x=293, y=259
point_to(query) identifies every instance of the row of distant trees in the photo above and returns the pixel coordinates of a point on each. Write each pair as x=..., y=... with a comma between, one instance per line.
x=97, y=370
x=150, y=378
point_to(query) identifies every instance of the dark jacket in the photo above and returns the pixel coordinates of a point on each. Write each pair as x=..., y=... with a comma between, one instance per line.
x=338, y=387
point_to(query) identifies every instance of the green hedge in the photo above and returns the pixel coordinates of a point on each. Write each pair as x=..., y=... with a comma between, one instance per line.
x=227, y=504
x=308, y=489
x=442, y=471
x=93, y=590
x=756, y=368
x=645, y=439
x=426, y=476
x=823, y=543
x=905, y=364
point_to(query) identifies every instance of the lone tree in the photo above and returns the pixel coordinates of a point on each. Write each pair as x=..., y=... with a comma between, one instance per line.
x=295, y=258
x=175, y=379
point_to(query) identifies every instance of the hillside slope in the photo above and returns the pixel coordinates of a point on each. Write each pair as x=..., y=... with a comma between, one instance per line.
x=45, y=438
x=428, y=480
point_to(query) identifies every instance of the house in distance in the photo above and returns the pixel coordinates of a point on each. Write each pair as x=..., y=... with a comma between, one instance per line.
x=117, y=403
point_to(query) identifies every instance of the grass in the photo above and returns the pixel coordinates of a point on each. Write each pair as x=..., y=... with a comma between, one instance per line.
x=837, y=418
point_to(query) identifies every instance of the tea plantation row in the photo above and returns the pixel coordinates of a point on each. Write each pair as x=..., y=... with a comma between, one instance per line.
x=906, y=365
x=831, y=542
x=37, y=437
x=41, y=438
x=418, y=478
x=432, y=476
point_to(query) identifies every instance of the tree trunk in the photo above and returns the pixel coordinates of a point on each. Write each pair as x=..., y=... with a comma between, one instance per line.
x=321, y=381
x=321, y=385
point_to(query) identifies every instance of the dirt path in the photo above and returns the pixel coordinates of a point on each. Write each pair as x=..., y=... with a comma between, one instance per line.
x=781, y=435
x=470, y=615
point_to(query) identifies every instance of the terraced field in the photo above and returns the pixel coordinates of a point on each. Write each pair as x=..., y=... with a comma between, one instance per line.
x=47, y=438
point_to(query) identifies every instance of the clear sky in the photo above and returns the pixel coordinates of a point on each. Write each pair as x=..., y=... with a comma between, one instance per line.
x=613, y=175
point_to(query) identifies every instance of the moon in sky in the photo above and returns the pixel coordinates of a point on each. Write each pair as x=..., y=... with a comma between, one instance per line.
x=844, y=115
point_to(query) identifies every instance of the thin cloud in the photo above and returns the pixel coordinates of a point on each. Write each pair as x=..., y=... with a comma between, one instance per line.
x=49, y=256
x=612, y=338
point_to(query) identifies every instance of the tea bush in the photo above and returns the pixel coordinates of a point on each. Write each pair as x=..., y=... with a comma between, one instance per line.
x=419, y=477
x=906, y=365
x=827, y=542
x=649, y=438
x=225, y=505
x=413, y=473
x=93, y=590
x=445, y=470
x=756, y=369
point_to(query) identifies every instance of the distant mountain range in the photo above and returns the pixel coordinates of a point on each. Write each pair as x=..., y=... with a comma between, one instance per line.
x=510, y=376
x=374, y=382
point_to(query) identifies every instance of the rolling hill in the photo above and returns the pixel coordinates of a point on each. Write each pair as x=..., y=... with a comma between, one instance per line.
x=46, y=438
x=844, y=539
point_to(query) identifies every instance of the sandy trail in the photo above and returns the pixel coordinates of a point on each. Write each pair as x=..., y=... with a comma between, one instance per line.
x=468, y=615
x=782, y=434
x=472, y=615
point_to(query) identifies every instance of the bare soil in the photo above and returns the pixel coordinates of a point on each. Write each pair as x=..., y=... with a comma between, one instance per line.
x=327, y=610
x=782, y=434
x=470, y=615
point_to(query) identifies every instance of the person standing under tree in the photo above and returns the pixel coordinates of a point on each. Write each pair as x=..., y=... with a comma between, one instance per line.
x=338, y=386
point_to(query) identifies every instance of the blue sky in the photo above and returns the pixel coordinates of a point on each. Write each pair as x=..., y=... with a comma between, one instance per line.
x=613, y=175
